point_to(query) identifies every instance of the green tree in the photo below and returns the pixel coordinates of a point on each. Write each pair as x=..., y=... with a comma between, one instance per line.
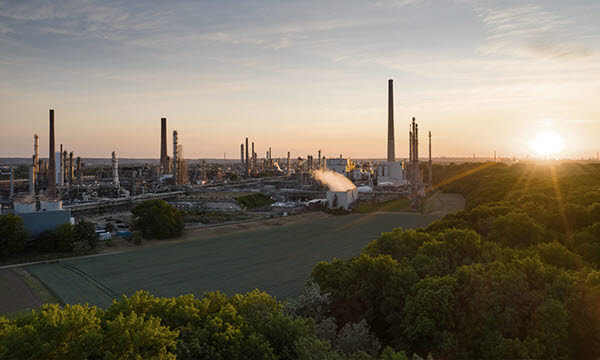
x=85, y=232
x=12, y=235
x=65, y=237
x=157, y=219
x=46, y=240
x=516, y=229
x=83, y=332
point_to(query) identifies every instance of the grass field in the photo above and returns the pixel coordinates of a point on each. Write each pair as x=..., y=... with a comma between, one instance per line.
x=277, y=260
x=396, y=205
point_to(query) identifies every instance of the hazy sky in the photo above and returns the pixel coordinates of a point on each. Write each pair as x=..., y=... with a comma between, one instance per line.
x=299, y=75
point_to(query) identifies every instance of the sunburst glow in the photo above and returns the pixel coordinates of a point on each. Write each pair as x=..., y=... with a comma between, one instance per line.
x=547, y=143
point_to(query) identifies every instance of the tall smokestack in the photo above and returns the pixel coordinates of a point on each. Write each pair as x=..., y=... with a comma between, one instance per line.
x=115, y=168
x=71, y=168
x=253, y=157
x=65, y=168
x=247, y=159
x=319, y=159
x=36, y=153
x=242, y=153
x=391, y=153
x=32, y=180
x=288, y=164
x=51, y=161
x=430, y=180
x=79, y=171
x=163, y=146
x=175, y=156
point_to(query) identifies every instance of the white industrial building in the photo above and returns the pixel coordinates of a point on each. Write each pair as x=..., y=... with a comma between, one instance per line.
x=392, y=172
x=341, y=166
x=342, y=199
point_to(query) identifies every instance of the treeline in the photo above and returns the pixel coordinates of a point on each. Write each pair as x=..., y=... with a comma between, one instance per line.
x=513, y=276
x=253, y=201
x=251, y=326
x=78, y=238
x=152, y=218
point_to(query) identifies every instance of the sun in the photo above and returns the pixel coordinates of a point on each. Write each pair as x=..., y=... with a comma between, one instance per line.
x=547, y=143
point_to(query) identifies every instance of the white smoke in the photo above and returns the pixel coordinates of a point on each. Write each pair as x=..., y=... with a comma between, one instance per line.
x=334, y=181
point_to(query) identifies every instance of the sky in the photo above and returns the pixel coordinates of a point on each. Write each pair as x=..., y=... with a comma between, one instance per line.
x=299, y=76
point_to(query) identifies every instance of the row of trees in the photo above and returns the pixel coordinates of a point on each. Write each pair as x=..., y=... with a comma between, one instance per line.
x=65, y=238
x=251, y=326
x=154, y=219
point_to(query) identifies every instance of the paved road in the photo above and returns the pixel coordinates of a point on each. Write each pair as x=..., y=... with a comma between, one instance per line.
x=15, y=294
x=277, y=260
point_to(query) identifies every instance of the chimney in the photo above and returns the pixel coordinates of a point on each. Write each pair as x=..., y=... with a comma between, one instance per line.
x=430, y=180
x=319, y=158
x=253, y=157
x=115, y=168
x=175, y=156
x=32, y=180
x=247, y=160
x=71, y=168
x=51, y=161
x=163, y=146
x=65, y=168
x=288, y=164
x=79, y=171
x=391, y=152
x=36, y=153
x=242, y=153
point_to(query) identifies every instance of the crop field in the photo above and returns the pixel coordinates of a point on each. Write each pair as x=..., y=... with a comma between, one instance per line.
x=277, y=260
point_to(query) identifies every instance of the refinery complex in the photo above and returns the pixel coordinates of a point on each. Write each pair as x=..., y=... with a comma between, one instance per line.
x=64, y=186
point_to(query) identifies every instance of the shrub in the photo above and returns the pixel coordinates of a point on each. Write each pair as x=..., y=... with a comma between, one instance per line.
x=12, y=234
x=85, y=231
x=65, y=237
x=137, y=239
x=46, y=240
x=253, y=201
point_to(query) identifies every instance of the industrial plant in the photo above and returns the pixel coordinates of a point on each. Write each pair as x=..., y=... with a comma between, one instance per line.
x=64, y=186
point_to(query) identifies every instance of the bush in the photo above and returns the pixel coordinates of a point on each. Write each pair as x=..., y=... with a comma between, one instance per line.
x=12, y=235
x=65, y=237
x=46, y=241
x=157, y=219
x=137, y=239
x=86, y=232
x=81, y=247
x=253, y=201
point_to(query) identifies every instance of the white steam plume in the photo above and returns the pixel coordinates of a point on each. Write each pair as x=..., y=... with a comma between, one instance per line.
x=334, y=181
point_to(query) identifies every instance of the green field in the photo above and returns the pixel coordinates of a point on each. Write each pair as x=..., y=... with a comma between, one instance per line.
x=396, y=205
x=278, y=261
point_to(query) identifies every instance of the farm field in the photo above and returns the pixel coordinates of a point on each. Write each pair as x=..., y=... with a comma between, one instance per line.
x=276, y=260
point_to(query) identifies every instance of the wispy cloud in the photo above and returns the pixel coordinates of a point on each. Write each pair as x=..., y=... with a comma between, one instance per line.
x=531, y=30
